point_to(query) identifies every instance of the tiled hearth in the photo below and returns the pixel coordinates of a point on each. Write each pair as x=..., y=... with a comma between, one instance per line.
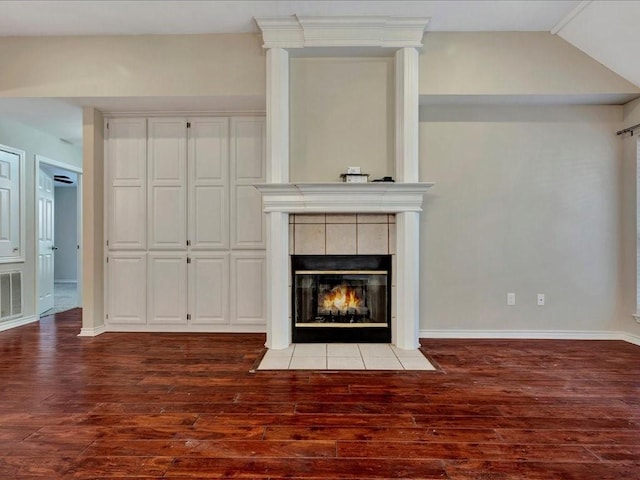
x=344, y=356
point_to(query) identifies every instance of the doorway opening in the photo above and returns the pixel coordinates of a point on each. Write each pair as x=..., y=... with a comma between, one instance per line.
x=58, y=232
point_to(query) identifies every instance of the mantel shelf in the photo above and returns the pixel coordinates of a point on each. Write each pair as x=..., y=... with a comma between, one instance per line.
x=382, y=197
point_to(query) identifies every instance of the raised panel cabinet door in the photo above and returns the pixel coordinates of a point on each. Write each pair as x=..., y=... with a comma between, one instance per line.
x=167, y=288
x=127, y=288
x=208, y=166
x=247, y=160
x=209, y=289
x=10, y=208
x=127, y=183
x=248, y=288
x=167, y=196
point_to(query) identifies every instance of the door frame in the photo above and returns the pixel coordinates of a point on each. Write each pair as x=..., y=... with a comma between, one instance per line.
x=40, y=159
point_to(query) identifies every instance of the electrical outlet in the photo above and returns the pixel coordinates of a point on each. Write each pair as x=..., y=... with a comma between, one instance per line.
x=541, y=299
x=511, y=299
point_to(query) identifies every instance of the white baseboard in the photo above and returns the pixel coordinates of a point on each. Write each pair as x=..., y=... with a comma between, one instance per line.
x=628, y=337
x=18, y=322
x=92, y=332
x=182, y=329
x=532, y=334
x=65, y=281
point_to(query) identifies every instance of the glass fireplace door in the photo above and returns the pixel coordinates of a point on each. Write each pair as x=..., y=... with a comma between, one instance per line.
x=330, y=303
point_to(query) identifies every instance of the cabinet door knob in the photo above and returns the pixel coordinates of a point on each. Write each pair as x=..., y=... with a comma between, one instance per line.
x=54, y=248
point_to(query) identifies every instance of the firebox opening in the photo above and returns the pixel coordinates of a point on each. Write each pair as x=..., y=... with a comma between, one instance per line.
x=341, y=298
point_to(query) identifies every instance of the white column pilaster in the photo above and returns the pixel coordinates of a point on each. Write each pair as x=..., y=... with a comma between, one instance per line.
x=278, y=300
x=407, y=326
x=278, y=323
x=407, y=113
x=277, y=115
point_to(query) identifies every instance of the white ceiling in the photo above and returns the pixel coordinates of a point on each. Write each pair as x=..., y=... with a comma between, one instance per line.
x=604, y=29
x=117, y=17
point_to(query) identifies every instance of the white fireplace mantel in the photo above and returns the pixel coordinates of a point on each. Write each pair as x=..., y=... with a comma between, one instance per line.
x=400, y=37
x=403, y=199
x=378, y=197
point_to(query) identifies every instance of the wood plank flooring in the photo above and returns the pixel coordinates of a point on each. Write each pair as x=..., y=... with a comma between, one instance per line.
x=186, y=406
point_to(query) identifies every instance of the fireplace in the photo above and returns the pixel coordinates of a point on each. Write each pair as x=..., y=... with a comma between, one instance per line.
x=341, y=298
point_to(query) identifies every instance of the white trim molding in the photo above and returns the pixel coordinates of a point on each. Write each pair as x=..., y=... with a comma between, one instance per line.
x=532, y=335
x=628, y=337
x=348, y=31
x=92, y=332
x=18, y=322
x=379, y=197
x=143, y=328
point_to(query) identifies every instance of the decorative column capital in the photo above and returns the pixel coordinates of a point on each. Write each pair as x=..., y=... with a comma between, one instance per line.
x=342, y=31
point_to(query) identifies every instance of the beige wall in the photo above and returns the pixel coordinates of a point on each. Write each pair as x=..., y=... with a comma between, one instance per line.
x=628, y=215
x=511, y=63
x=451, y=63
x=123, y=66
x=527, y=201
x=33, y=142
x=342, y=114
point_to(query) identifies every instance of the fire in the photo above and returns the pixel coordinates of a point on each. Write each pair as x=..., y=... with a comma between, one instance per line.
x=341, y=298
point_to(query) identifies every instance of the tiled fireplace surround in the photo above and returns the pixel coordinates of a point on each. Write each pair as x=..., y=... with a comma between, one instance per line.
x=344, y=234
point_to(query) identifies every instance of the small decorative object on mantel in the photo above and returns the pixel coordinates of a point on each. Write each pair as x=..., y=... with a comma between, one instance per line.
x=384, y=179
x=354, y=175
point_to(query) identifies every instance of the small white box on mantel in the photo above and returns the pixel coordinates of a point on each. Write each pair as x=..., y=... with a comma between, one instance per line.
x=353, y=170
x=356, y=178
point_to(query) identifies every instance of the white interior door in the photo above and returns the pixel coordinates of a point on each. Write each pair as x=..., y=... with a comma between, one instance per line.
x=9, y=204
x=46, y=246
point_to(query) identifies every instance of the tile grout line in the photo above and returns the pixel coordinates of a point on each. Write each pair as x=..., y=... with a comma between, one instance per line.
x=362, y=357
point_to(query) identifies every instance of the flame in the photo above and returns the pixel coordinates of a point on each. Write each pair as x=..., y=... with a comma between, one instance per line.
x=341, y=298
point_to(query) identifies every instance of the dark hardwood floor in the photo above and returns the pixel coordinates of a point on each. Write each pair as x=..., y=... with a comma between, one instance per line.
x=186, y=406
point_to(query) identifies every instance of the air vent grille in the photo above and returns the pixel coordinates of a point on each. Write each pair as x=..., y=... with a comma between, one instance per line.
x=10, y=295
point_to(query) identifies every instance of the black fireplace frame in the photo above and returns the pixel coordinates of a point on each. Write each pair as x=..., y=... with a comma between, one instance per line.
x=363, y=334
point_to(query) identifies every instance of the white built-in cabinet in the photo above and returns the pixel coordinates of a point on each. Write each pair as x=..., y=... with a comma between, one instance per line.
x=185, y=227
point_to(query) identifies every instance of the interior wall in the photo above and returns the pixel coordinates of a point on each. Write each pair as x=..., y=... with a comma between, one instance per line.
x=526, y=200
x=342, y=114
x=511, y=63
x=451, y=63
x=628, y=221
x=66, y=234
x=142, y=65
x=33, y=142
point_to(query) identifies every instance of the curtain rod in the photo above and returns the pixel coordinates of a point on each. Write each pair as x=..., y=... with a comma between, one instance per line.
x=630, y=129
